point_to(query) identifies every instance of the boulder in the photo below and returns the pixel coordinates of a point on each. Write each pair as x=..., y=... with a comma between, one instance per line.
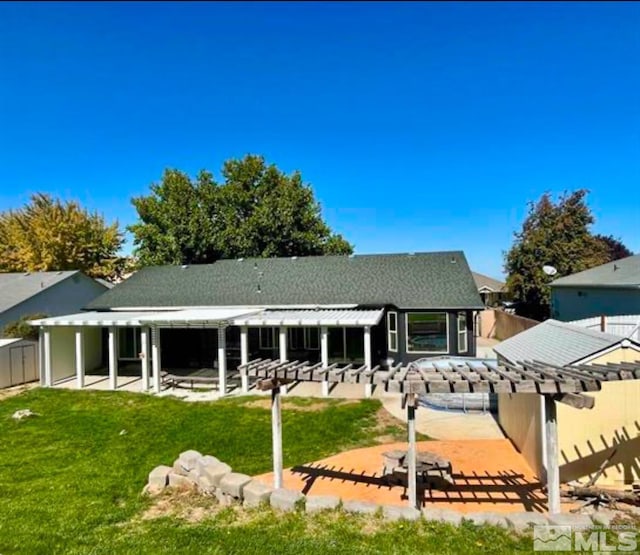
x=233, y=483
x=256, y=493
x=179, y=481
x=391, y=512
x=361, y=507
x=442, y=515
x=159, y=476
x=522, y=521
x=204, y=461
x=188, y=459
x=205, y=485
x=285, y=499
x=317, y=503
x=215, y=472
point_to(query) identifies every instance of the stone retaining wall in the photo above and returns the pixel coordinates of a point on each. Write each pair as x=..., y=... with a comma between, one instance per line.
x=210, y=476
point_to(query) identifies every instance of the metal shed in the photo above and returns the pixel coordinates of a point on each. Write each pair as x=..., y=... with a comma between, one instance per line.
x=18, y=361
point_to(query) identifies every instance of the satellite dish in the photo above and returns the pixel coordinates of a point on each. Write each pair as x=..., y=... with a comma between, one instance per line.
x=549, y=270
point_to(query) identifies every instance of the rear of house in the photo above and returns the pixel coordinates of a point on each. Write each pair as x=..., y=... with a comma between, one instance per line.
x=366, y=309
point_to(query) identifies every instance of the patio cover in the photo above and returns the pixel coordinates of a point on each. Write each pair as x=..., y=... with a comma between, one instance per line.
x=104, y=319
x=320, y=317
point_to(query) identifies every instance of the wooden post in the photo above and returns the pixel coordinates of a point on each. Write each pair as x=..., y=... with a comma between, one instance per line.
x=48, y=374
x=244, y=357
x=603, y=323
x=222, y=360
x=412, y=452
x=276, y=431
x=144, y=357
x=368, y=387
x=283, y=352
x=113, y=359
x=155, y=358
x=79, y=358
x=553, y=468
x=324, y=357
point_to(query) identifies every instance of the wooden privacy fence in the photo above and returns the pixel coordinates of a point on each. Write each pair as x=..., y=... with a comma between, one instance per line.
x=498, y=324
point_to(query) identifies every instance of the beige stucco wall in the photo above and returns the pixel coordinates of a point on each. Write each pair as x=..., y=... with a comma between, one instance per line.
x=585, y=437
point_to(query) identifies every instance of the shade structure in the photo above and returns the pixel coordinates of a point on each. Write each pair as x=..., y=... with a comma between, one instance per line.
x=103, y=319
x=320, y=317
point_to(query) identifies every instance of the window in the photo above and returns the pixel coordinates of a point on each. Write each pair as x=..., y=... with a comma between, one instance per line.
x=346, y=345
x=427, y=332
x=129, y=344
x=463, y=343
x=311, y=339
x=392, y=331
x=268, y=338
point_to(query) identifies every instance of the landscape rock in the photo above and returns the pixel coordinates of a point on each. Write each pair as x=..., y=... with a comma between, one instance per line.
x=152, y=490
x=233, y=483
x=205, y=485
x=482, y=518
x=393, y=513
x=603, y=517
x=256, y=493
x=521, y=521
x=181, y=482
x=576, y=521
x=205, y=461
x=23, y=413
x=159, y=476
x=316, y=503
x=225, y=499
x=360, y=507
x=215, y=472
x=188, y=459
x=442, y=515
x=285, y=499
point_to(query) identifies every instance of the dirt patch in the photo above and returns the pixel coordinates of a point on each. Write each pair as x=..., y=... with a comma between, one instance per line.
x=296, y=405
x=17, y=390
x=388, y=428
x=185, y=505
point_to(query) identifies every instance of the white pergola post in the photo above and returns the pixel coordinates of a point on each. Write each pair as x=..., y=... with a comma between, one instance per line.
x=79, y=358
x=551, y=441
x=283, y=352
x=155, y=358
x=276, y=433
x=244, y=357
x=368, y=387
x=412, y=452
x=48, y=377
x=144, y=357
x=113, y=359
x=324, y=357
x=222, y=360
x=41, y=355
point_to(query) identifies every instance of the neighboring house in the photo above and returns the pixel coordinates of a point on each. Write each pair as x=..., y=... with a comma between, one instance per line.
x=51, y=293
x=361, y=310
x=607, y=290
x=586, y=437
x=492, y=291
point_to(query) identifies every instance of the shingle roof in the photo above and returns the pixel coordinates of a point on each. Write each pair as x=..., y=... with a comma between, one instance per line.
x=624, y=273
x=16, y=288
x=422, y=280
x=488, y=282
x=556, y=343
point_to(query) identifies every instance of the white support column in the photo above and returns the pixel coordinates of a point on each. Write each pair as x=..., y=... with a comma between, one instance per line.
x=113, y=359
x=276, y=433
x=48, y=376
x=222, y=361
x=41, y=355
x=368, y=387
x=551, y=440
x=79, y=358
x=244, y=357
x=144, y=357
x=324, y=357
x=412, y=452
x=156, y=361
x=283, y=352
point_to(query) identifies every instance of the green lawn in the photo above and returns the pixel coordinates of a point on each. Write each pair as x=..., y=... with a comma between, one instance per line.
x=70, y=479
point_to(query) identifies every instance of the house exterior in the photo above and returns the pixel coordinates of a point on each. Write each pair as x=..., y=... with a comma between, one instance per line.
x=363, y=309
x=51, y=293
x=608, y=290
x=586, y=438
x=491, y=290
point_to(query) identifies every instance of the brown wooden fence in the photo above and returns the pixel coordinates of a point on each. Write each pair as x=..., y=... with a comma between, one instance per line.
x=498, y=324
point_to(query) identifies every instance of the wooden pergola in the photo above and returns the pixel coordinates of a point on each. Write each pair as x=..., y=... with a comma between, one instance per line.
x=565, y=384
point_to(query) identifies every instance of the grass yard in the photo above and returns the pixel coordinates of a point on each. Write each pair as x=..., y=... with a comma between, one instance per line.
x=70, y=478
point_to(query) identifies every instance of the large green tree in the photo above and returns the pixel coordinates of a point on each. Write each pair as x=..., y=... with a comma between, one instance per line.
x=49, y=234
x=555, y=234
x=256, y=211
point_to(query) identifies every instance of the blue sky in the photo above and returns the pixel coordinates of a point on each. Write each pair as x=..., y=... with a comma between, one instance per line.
x=420, y=126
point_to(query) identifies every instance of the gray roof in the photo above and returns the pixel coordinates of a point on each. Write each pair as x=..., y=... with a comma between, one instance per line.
x=556, y=343
x=421, y=280
x=16, y=288
x=488, y=282
x=623, y=273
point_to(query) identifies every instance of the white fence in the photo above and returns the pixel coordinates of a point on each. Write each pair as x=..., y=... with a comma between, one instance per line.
x=621, y=326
